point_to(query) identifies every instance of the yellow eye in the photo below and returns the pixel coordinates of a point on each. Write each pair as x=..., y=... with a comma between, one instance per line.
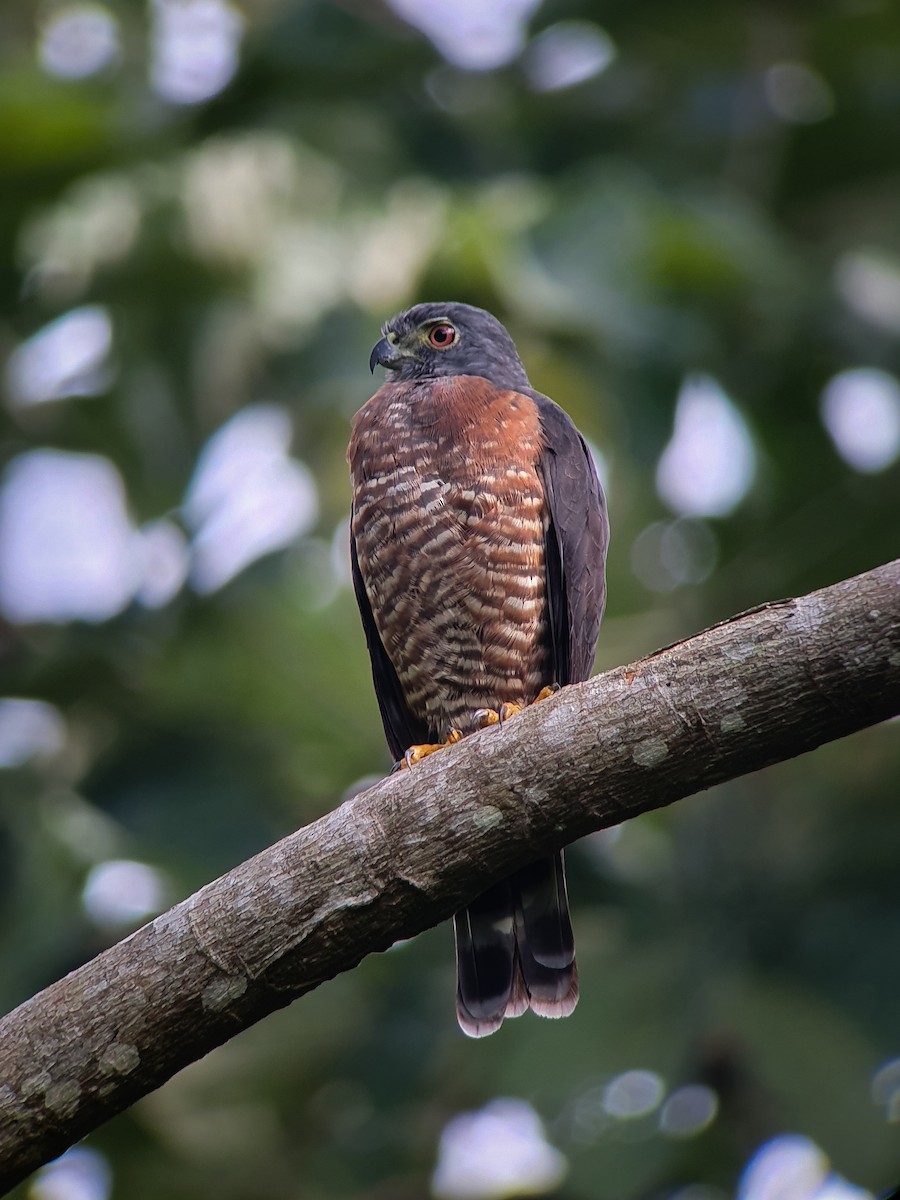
x=442, y=336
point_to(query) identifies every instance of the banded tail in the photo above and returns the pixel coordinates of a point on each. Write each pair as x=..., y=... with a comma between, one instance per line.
x=515, y=950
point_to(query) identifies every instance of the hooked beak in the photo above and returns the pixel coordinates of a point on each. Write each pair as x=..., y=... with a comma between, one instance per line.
x=384, y=355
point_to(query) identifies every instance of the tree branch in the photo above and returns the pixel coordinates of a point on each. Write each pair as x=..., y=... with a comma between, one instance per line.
x=762, y=687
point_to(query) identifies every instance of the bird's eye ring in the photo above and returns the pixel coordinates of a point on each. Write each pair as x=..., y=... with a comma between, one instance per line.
x=442, y=336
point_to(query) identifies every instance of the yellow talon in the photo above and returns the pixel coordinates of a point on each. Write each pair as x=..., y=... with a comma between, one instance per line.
x=416, y=753
x=483, y=718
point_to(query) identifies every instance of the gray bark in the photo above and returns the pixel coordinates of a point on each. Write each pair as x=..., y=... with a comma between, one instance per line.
x=764, y=686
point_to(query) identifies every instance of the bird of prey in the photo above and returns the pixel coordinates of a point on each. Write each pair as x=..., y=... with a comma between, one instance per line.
x=478, y=548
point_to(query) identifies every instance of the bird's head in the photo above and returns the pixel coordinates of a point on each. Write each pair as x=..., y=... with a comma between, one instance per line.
x=431, y=340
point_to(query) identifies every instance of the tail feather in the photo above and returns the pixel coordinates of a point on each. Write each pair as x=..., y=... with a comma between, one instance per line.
x=562, y=1001
x=485, y=960
x=475, y=1027
x=519, y=1001
x=542, y=913
x=515, y=950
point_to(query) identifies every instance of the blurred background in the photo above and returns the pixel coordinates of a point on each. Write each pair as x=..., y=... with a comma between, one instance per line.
x=688, y=217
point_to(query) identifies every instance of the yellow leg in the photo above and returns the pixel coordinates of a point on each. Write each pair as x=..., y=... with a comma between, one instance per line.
x=483, y=718
x=416, y=753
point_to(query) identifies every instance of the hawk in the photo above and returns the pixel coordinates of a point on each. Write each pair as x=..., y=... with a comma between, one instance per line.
x=478, y=548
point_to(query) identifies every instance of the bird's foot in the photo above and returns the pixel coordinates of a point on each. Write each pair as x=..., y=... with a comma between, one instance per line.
x=416, y=753
x=483, y=718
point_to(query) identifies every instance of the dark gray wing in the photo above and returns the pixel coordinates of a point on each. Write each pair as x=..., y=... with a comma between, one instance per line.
x=576, y=542
x=401, y=728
